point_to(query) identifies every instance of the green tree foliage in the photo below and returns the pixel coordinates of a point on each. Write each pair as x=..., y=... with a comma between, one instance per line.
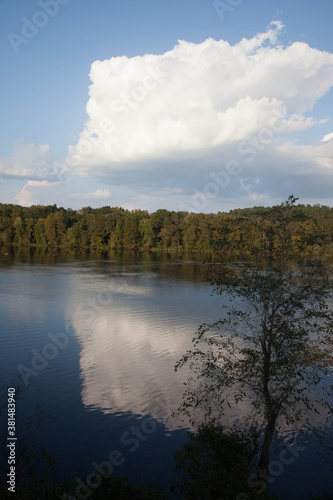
x=146, y=232
x=288, y=229
x=130, y=231
x=39, y=233
x=271, y=349
x=190, y=232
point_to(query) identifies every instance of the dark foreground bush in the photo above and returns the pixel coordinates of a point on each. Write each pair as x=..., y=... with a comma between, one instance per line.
x=216, y=464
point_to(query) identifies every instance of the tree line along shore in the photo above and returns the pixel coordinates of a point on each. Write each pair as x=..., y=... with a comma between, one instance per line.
x=291, y=228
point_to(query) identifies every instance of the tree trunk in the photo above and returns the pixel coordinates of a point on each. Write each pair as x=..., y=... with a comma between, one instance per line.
x=264, y=456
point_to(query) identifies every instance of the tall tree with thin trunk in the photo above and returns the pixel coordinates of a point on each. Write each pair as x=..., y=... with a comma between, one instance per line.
x=271, y=350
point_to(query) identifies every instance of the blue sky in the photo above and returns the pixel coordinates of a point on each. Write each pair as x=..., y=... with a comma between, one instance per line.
x=189, y=114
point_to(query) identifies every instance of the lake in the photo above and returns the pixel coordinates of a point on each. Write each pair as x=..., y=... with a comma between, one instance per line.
x=97, y=339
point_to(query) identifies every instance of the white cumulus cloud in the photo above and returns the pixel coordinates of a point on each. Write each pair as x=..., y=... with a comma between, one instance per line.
x=46, y=193
x=154, y=118
x=30, y=161
x=99, y=194
x=38, y=193
x=327, y=137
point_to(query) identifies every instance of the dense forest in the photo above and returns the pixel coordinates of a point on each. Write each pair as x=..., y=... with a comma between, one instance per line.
x=294, y=228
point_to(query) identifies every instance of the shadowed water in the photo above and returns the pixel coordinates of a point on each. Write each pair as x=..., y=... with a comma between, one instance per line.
x=110, y=331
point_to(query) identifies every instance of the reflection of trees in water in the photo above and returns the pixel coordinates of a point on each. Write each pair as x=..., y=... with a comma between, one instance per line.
x=182, y=266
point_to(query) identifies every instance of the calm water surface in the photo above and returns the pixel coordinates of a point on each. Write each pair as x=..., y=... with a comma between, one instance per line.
x=101, y=336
